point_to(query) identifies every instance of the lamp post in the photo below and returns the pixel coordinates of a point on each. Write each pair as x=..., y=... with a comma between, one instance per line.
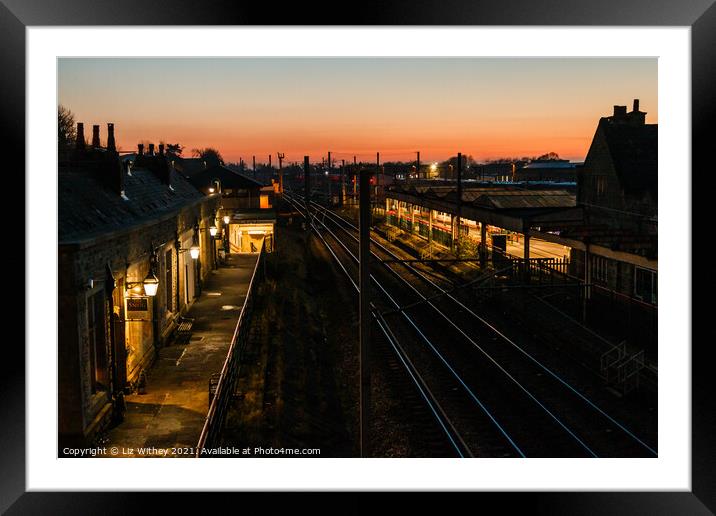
x=213, y=230
x=194, y=252
x=225, y=236
x=150, y=284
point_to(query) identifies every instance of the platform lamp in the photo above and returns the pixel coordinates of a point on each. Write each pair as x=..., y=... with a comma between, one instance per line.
x=150, y=284
x=194, y=252
x=213, y=230
x=194, y=249
x=225, y=233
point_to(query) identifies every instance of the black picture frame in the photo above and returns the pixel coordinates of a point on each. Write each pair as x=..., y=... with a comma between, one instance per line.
x=700, y=15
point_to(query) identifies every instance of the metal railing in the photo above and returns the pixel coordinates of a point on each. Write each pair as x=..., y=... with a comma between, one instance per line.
x=221, y=389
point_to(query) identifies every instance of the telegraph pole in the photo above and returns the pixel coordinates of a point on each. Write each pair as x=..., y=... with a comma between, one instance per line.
x=355, y=180
x=280, y=171
x=459, y=200
x=417, y=165
x=364, y=309
x=343, y=182
x=306, y=191
x=330, y=190
x=377, y=176
x=254, y=166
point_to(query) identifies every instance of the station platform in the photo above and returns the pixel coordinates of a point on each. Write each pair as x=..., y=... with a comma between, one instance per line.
x=172, y=411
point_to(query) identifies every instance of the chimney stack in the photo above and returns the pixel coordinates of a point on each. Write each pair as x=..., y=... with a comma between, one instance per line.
x=620, y=112
x=140, y=149
x=151, y=149
x=80, y=141
x=95, y=136
x=636, y=105
x=110, y=138
x=161, y=149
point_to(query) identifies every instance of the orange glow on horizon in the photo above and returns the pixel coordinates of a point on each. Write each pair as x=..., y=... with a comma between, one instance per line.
x=244, y=107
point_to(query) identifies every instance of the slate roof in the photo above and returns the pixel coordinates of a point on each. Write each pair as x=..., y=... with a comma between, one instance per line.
x=88, y=207
x=188, y=167
x=518, y=200
x=507, y=197
x=634, y=153
x=552, y=163
x=229, y=179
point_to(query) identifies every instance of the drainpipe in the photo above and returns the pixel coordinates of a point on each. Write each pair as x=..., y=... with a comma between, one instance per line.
x=177, y=247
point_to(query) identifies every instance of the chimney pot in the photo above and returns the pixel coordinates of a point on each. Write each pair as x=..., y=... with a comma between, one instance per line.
x=80, y=142
x=95, y=136
x=161, y=149
x=140, y=149
x=636, y=105
x=619, y=111
x=151, y=149
x=111, y=146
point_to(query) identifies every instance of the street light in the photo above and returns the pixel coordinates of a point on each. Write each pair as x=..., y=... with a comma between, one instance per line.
x=227, y=219
x=151, y=284
x=213, y=230
x=194, y=249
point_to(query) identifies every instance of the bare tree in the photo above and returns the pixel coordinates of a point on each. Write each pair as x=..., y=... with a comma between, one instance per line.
x=174, y=148
x=549, y=156
x=66, y=131
x=208, y=154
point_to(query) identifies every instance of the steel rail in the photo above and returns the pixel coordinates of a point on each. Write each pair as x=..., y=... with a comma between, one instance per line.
x=448, y=295
x=424, y=337
x=487, y=355
x=436, y=409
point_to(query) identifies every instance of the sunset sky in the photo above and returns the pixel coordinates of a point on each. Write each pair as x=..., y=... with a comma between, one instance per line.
x=484, y=107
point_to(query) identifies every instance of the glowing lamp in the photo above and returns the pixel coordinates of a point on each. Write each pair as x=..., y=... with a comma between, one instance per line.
x=213, y=230
x=194, y=252
x=227, y=219
x=151, y=284
x=211, y=190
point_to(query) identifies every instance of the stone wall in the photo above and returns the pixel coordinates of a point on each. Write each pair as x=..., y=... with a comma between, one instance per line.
x=128, y=255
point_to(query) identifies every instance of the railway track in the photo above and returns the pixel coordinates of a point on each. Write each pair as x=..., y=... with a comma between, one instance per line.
x=489, y=395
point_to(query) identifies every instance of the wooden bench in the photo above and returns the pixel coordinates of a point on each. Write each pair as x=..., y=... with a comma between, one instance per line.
x=183, y=331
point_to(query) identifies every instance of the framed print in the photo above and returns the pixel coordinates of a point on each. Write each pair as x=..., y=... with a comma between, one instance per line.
x=412, y=251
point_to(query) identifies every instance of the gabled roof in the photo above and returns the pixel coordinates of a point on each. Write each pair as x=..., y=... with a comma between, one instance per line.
x=634, y=153
x=188, y=167
x=228, y=178
x=88, y=207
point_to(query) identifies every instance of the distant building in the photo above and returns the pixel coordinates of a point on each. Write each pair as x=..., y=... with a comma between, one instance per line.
x=497, y=171
x=248, y=203
x=553, y=170
x=125, y=274
x=618, y=190
x=620, y=171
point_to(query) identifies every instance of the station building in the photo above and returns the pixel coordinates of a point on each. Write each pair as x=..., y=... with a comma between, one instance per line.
x=247, y=208
x=134, y=249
